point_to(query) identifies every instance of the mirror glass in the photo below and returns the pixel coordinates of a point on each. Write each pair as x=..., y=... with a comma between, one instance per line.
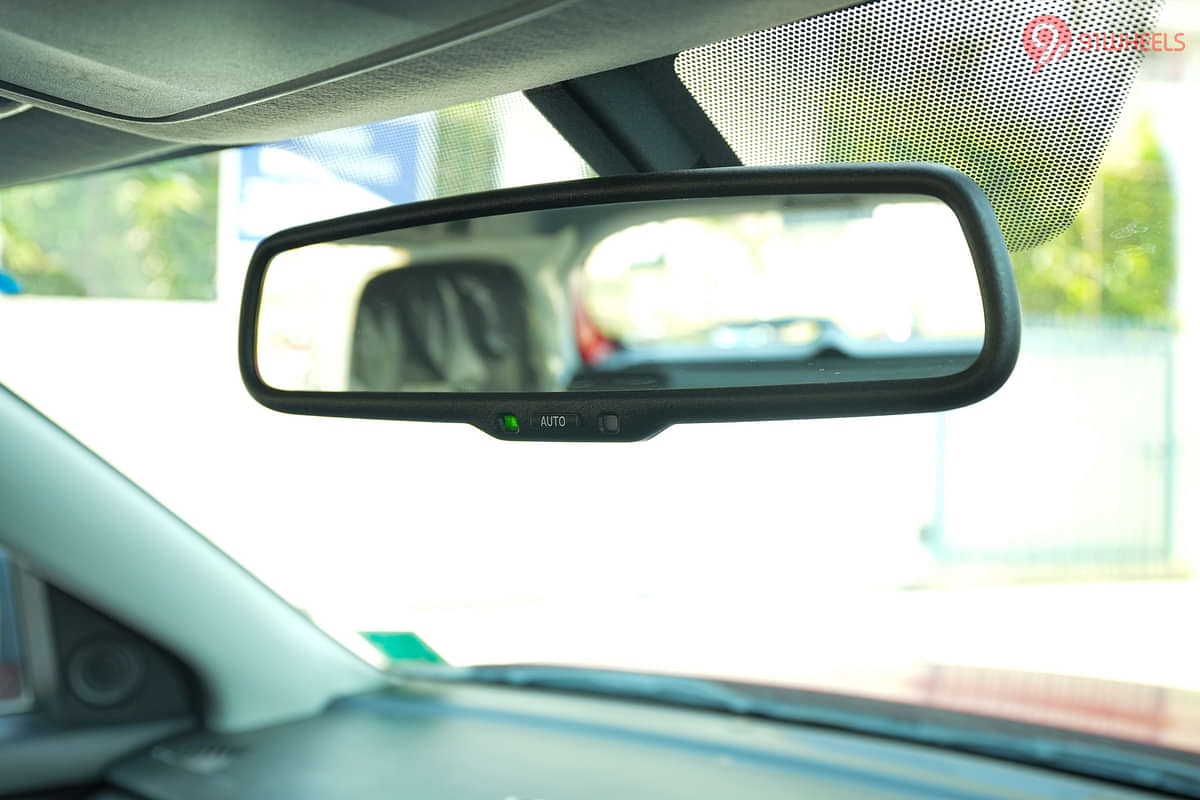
x=694, y=293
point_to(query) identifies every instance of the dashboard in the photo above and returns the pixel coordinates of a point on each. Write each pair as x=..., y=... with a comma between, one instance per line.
x=462, y=741
x=117, y=718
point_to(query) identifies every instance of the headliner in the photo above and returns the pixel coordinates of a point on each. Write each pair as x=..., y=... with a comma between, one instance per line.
x=136, y=79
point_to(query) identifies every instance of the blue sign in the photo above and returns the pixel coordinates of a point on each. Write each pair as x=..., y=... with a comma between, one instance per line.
x=8, y=284
x=331, y=174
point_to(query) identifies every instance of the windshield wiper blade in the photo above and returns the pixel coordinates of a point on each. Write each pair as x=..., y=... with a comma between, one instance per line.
x=1059, y=750
x=693, y=692
x=641, y=686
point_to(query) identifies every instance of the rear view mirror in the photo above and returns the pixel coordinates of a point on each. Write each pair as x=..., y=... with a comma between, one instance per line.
x=608, y=309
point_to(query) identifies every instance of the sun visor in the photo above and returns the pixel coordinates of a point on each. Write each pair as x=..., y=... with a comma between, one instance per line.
x=150, y=60
x=240, y=71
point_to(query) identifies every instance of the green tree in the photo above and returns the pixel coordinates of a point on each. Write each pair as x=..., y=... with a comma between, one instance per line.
x=1112, y=256
x=468, y=149
x=1118, y=257
x=143, y=232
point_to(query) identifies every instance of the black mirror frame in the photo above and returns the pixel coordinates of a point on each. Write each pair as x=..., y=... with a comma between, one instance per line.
x=642, y=414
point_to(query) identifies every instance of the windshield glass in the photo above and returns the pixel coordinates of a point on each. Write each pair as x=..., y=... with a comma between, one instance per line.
x=1031, y=556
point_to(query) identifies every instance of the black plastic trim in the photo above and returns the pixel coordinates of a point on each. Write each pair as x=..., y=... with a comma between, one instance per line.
x=646, y=413
x=639, y=118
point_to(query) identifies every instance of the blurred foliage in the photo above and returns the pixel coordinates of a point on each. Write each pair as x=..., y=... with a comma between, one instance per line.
x=1000, y=144
x=150, y=232
x=1111, y=256
x=1115, y=257
x=143, y=232
x=468, y=149
x=1118, y=257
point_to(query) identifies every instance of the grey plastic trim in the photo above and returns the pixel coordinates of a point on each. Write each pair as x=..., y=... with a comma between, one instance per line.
x=24, y=701
x=38, y=756
x=40, y=676
x=464, y=33
x=90, y=531
x=10, y=108
x=17, y=705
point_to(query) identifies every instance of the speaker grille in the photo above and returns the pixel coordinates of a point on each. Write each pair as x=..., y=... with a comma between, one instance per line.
x=105, y=673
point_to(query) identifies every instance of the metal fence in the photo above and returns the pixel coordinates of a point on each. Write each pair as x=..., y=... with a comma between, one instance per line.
x=1068, y=472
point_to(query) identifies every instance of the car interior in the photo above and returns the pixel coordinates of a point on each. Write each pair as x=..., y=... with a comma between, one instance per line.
x=801, y=213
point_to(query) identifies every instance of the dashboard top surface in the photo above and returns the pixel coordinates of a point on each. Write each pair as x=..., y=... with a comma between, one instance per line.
x=499, y=743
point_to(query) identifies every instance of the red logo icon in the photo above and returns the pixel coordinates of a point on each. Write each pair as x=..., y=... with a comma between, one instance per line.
x=1046, y=38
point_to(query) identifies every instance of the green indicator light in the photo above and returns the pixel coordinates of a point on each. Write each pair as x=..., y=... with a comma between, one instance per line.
x=510, y=423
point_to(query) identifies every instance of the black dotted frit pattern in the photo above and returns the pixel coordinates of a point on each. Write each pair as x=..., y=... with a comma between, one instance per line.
x=947, y=81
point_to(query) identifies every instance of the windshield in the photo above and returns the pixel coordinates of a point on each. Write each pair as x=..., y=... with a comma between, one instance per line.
x=1032, y=556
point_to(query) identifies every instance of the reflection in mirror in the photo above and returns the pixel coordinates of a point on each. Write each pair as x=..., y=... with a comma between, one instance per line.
x=752, y=291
